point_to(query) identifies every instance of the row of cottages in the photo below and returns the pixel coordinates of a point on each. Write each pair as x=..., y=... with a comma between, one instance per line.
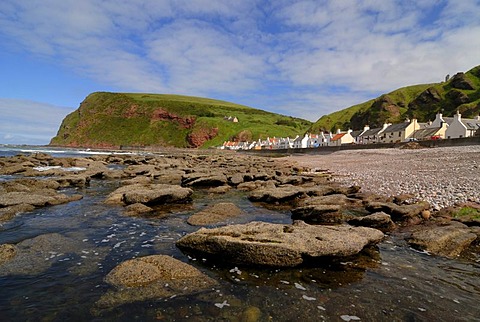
x=441, y=128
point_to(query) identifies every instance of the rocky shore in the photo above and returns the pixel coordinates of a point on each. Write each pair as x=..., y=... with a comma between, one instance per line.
x=341, y=205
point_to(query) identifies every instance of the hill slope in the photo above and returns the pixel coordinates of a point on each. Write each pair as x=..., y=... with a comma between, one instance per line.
x=122, y=119
x=461, y=92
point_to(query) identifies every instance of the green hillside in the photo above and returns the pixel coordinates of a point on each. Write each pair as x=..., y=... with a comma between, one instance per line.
x=461, y=92
x=122, y=119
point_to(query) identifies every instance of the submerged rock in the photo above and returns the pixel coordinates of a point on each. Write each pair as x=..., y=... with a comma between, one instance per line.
x=261, y=243
x=152, y=277
x=215, y=214
x=7, y=252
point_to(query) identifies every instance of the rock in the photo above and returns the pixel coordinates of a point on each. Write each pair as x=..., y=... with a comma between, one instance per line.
x=236, y=179
x=261, y=243
x=320, y=214
x=333, y=199
x=137, y=180
x=7, y=252
x=152, y=194
x=80, y=180
x=460, y=81
x=215, y=214
x=8, y=213
x=13, y=169
x=137, y=209
x=446, y=240
x=152, y=277
x=220, y=189
x=378, y=220
x=197, y=179
x=18, y=198
x=157, y=194
x=38, y=254
x=277, y=194
x=399, y=212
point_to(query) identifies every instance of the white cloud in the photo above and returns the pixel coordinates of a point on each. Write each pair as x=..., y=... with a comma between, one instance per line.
x=321, y=55
x=29, y=122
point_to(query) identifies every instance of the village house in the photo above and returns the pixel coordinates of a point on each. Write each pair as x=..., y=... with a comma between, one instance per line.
x=357, y=135
x=372, y=135
x=301, y=142
x=342, y=138
x=313, y=141
x=433, y=130
x=462, y=128
x=401, y=132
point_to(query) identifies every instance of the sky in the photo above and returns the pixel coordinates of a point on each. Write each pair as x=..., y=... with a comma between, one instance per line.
x=298, y=58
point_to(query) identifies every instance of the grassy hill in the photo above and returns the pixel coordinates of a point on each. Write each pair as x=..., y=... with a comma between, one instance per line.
x=461, y=92
x=124, y=119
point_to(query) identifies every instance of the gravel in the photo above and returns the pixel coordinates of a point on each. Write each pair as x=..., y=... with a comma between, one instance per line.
x=442, y=176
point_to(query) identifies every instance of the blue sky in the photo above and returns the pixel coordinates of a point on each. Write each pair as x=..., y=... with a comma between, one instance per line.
x=299, y=58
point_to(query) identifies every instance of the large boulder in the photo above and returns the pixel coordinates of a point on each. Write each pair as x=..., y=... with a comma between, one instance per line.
x=215, y=214
x=399, y=212
x=152, y=278
x=446, y=240
x=320, y=214
x=278, y=245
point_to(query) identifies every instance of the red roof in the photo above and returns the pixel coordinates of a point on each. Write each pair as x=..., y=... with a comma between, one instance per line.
x=338, y=136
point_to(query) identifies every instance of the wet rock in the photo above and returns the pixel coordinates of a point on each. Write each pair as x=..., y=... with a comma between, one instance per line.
x=399, y=212
x=333, y=199
x=277, y=194
x=261, y=243
x=220, y=189
x=13, y=169
x=38, y=254
x=217, y=213
x=137, y=180
x=80, y=180
x=152, y=278
x=236, y=179
x=379, y=220
x=18, y=198
x=157, y=194
x=320, y=214
x=446, y=240
x=198, y=179
x=7, y=253
x=137, y=209
x=8, y=213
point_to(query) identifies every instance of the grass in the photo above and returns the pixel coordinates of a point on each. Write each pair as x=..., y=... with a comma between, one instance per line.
x=127, y=119
x=467, y=212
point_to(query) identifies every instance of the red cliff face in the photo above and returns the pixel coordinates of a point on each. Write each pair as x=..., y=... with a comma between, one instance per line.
x=199, y=137
x=162, y=115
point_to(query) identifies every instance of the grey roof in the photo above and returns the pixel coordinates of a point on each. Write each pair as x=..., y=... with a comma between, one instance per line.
x=372, y=132
x=397, y=127
x=426, y=133
x=471, y=124
x=356, y=133
x=449, y=120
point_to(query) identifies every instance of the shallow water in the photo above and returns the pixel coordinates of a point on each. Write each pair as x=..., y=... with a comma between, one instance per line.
x=88, y=238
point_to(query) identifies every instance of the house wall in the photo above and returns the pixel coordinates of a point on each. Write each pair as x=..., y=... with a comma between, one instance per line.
x=456, y=129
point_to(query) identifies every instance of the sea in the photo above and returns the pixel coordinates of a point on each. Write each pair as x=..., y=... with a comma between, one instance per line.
x=67, y=251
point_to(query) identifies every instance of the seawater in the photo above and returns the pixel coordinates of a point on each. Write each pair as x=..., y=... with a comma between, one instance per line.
x=391, y=282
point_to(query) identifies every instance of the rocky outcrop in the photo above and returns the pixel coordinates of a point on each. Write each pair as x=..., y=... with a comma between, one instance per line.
x=460, y=81
x=261, y=243
x=378, y=220
x=199, y=136
x=150, y=195
x=152, y=277
x=217, y=213
x=399, y=212
x=449, y=239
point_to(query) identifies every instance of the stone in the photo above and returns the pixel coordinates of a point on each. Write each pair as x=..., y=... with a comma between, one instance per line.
x=217, y=213
x=333, y=199
x=152, y=278
x=7, y=253
x=319, y=214
x=278, y=245
x=197, y=179
x=152, y=194
x=18, y=198
x=378, y=220
x=8, y=213
x=137, y=209
x=157, y=194
x=277, y=194
x=399, y=212
x=448, y=240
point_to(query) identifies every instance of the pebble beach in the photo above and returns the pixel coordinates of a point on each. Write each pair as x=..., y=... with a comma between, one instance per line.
x=442, y=176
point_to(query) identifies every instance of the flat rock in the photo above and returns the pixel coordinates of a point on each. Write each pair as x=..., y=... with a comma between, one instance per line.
x=399, y=212
x=198, y=179
x=378, y=220
x=277, y=194
x=137, y=209
x=217, y=213
x=152, y=278
x=151, y=194
x=37, y=254
x=8, y=213
x=277, y=245
x=446, y=240
x=320, y=214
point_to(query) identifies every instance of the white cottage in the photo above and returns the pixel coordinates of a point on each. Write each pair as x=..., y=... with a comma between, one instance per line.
x=462, y=128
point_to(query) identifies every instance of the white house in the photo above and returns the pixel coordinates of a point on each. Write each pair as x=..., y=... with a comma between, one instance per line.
x=342, y=138
x=301, y=142
x=462, y=128
x=372, y=135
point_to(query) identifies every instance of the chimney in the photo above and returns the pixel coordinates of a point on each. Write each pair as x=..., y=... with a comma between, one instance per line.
x=366, y=128
x=458, y=116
